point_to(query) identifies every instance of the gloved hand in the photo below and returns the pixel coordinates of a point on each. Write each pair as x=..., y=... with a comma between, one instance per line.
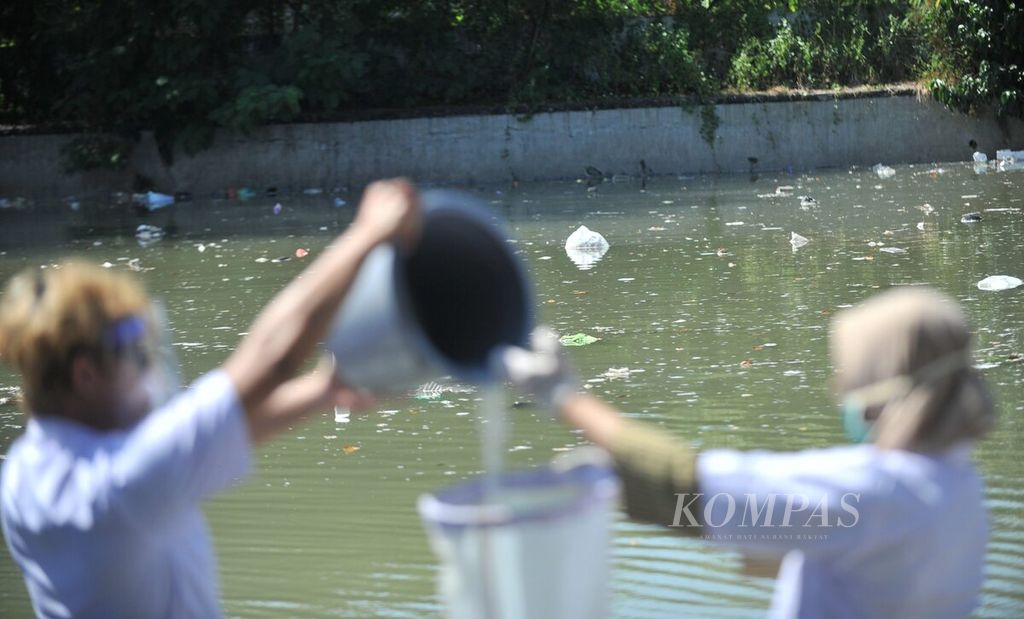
x=543, y=372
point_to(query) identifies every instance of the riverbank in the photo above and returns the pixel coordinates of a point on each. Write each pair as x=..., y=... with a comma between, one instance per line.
x=738, y=134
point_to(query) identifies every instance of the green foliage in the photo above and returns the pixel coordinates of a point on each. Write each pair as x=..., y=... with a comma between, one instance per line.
x=820, y=44
x=983, y=63
x=183, y=68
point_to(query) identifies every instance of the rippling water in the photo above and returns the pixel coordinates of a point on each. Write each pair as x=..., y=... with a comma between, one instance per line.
x=714, y=327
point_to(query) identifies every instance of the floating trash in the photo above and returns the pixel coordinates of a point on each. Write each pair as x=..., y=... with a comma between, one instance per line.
x=884, y=171
x=342, y=415
x=429, y=391
x=616, y=373
x=920, y=226
x=980, y=157
x=926, y=208
x=807, y=202
x=797, y=241
x=278, y=208
x=312, y=191
x=999, y=282
x=152, y=201
x=585, y=247
x=301, y=252
x=246, y=193
x=585, y=238
x=147, y=234
x=338, y=203
x=970, y=218
x=578, y=339
x=893, y=250
x=1007, y=154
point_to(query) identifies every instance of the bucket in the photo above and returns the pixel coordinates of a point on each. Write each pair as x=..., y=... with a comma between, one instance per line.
x=440, y=310
x=534, y=548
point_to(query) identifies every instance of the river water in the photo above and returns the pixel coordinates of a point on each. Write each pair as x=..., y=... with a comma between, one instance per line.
x=715, y=327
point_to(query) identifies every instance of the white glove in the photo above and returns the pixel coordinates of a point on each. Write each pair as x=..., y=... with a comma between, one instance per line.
x=544, y=372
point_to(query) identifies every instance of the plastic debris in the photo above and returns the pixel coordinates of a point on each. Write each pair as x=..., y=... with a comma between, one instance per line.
x=797, y=241
x=338, y=203
x=884, y=171
x=1007, y=154
x=342, y=415
x=200, y=248
x=585, y=238
x=1010, y=165
x=73, y=203
x=999, y=282
x=807, y=202
x=926, y=208
x=301, y=252
x=578, y=339
x=312, y=191
x=980, y=157
x=585, y=248
x=893, y=250
x=278, y=208
x=246, y=193
x=152, y=201
x=147, y=234
x=429, y=391
x=970, y=218
x=920, y=226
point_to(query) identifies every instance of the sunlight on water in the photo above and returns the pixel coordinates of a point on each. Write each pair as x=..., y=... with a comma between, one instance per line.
x=708, y=324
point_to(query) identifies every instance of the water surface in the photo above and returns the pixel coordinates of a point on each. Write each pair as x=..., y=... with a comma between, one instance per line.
x=711, y=326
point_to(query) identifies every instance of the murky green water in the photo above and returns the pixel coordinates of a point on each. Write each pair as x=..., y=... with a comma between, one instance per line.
x=722, y=327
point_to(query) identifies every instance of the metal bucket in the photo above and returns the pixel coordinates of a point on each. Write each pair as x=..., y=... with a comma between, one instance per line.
x=535, y=548
x=440, y=310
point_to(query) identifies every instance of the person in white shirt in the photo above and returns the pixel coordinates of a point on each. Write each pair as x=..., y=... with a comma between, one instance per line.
x=100, y=497
x=895, y=527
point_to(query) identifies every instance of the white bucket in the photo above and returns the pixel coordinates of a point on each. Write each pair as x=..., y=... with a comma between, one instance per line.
x=537, y=549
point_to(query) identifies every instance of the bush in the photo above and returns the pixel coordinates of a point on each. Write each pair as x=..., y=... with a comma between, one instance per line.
x=183, y=69
x=983, y=60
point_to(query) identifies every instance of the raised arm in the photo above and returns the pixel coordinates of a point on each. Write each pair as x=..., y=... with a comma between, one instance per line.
x=654, y=467
x=285, y=332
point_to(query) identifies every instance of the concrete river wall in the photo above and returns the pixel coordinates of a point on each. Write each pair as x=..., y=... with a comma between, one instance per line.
x=796, y=133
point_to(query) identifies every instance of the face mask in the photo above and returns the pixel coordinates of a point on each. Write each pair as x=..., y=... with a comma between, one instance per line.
x=855, y=426
x=855, y=404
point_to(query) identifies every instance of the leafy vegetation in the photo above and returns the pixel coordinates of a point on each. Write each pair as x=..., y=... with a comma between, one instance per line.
x=183, y=68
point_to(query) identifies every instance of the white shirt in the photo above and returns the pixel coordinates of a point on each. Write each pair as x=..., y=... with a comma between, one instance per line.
x=107, y=524
x=905, y=534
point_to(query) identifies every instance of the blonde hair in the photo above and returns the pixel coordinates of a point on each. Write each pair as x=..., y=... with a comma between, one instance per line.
x=47, y=316
x=908, y=332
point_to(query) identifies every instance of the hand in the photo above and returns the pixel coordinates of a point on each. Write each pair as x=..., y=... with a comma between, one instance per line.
x=390, y=211
x=543, y=372
x=333, y=393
